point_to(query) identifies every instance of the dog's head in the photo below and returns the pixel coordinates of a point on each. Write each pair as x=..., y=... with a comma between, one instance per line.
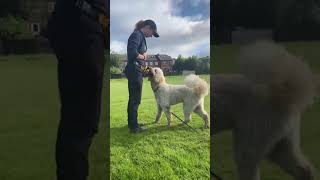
x=156, y=75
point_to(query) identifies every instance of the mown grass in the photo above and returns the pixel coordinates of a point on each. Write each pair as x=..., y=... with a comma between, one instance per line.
x=29, y=114
x=222, y=157
x=160, y=152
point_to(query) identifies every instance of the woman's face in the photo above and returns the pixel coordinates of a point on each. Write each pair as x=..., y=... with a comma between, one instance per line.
x=148, y=31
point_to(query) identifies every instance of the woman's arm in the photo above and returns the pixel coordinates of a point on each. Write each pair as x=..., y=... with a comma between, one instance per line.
x=133, y=45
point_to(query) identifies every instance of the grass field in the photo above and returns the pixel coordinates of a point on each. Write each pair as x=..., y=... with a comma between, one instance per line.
x=222, y=144
x=29, y=114
x=159, y=153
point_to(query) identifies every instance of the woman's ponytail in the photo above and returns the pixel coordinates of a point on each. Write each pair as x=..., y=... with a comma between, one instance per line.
x=139, y=25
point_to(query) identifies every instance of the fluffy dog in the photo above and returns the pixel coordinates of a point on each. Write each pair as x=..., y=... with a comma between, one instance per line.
x=191, y=94
x=262, y=105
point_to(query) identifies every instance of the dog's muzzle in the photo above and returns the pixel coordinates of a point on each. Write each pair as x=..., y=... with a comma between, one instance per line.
x=147, y=71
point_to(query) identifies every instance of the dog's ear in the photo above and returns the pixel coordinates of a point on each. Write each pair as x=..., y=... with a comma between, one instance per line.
x=150, y=74
x=158, y=76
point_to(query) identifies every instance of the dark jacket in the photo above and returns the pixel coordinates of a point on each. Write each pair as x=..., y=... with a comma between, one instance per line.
x=67, y=20
x=136, y=45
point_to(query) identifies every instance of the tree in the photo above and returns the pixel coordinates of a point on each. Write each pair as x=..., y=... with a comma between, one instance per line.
x=115, y=60
x=203, y=65
x=179, y=63
x=191, y=63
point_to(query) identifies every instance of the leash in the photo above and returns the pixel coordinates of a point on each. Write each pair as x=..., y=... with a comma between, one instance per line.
x=183, y=122
x=215, y=175
x=211, y=172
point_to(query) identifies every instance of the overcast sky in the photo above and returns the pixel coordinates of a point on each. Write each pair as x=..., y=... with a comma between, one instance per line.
x=183, y=25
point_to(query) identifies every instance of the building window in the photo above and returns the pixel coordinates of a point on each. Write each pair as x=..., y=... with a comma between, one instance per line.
x=146, y=63
x=35, y=28
x=156, y=63
x=151, y=63
x=51, y=6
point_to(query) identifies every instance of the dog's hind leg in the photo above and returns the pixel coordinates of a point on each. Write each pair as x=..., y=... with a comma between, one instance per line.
x=203, y=114
x=159, y=114
x=248, y=170
x=289, y=157
x=166, y=110
x=247, y=166
x=187, y=109
x=247, y=157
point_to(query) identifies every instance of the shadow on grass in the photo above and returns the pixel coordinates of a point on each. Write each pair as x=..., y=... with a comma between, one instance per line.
x=121, y=136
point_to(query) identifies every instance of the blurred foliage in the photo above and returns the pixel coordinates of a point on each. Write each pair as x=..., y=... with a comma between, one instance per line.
x=115, y=70
x=193, y=63
x=14, y=28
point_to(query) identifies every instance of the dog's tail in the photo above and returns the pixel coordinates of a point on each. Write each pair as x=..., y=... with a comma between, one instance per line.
x=199, y=85
x=286, y=78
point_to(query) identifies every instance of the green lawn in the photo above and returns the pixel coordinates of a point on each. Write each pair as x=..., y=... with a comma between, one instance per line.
x=222, y=144
x=29, y=114
x=159, y=153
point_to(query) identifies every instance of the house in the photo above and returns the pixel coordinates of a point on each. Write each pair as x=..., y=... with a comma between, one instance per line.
x=39, y=12
x=163, y=61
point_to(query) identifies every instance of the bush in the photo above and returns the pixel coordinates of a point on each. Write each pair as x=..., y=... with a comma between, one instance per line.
x=12, y=28
x=116, y=60
x=115, y=70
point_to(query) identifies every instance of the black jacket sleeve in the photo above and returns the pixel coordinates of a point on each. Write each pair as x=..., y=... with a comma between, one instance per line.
x=134, y=42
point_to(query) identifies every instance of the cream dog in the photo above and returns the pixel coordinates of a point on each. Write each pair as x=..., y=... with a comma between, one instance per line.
x=262, y=105
x=191, y=94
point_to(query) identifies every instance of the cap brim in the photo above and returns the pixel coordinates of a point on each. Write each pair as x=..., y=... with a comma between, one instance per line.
x=155, y=34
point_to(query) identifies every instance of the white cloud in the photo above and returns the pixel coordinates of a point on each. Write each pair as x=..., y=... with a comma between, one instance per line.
x=178, y=35
x=195, y=2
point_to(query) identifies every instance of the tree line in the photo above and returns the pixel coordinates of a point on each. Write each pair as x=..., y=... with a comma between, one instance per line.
x=201, y=65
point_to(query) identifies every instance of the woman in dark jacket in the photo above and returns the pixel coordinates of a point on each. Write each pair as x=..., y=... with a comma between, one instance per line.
x=78, y=42
x=136, y=52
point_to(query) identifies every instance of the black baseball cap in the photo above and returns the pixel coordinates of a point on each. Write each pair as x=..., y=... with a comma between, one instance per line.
x=153, y=26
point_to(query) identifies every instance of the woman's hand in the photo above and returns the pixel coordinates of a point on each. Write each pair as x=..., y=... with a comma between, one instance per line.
x=142, y=56
x=145, y=56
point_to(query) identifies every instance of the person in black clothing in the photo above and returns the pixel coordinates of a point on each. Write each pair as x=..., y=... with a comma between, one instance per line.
x=77, y=38
x=136, y=52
